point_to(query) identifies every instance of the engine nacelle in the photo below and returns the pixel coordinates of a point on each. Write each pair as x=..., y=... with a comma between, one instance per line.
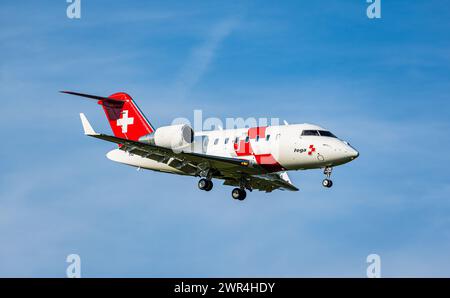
x=173, y=136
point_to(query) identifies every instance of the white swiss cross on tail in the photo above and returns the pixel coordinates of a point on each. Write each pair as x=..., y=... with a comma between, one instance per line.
x=125, y=121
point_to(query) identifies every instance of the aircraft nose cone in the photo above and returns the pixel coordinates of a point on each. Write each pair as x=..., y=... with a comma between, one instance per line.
x=354, y=154
x=350, y=152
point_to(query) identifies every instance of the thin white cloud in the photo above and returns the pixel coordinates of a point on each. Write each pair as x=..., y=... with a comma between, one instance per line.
x=201, y=57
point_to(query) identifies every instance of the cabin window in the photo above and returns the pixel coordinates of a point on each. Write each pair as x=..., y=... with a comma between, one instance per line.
x=216, y=141
x=236, y=140
x=257, y=138
x=267, y=137
x=205, y=143
x=247, y=139
x=226, y=140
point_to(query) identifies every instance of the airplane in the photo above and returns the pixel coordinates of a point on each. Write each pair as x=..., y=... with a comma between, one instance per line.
x=255, y=158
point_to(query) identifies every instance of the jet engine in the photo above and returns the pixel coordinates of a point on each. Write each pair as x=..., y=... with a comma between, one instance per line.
x=173, y=136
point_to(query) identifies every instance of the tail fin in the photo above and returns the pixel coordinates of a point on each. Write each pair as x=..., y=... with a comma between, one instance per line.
x=124, y=116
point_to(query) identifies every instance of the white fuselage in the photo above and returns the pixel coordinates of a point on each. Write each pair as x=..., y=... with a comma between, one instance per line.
x=275, y=148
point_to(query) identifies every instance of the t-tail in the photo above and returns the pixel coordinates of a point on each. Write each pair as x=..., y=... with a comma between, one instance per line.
x=124, y=116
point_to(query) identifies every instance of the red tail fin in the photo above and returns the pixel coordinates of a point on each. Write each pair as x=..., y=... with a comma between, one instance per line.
x=125, y=117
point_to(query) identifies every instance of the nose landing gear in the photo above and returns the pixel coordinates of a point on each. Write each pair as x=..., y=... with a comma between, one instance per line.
x=205, y=184
x=327, y=181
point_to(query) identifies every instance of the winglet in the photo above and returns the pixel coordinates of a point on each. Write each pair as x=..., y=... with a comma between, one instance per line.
x=88, y=130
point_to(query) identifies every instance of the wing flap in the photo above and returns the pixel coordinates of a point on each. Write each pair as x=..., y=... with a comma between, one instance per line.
x=265, y=183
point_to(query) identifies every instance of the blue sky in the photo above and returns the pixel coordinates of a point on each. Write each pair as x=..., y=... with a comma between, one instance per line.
x=383, y=85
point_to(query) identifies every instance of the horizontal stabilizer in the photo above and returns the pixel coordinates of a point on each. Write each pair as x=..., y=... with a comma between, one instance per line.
x=93, y=96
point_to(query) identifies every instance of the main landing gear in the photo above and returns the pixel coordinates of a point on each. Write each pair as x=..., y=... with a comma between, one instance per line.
x=327, y=181
x=205, y=184
x=239, y=194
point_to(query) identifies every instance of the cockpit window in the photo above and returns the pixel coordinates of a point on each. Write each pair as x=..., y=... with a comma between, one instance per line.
x=325, y=133
x=310, y=133
x=322, y=133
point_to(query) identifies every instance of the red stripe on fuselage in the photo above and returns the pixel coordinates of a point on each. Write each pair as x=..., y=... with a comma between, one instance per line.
x=267, y=161
x=257, y=131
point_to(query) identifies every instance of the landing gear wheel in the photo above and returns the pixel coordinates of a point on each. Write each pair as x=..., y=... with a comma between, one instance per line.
x=209, y=186
x=202, y=183
x=205, y=184
x=327, y=183
x=238, y=194
x=243, y=195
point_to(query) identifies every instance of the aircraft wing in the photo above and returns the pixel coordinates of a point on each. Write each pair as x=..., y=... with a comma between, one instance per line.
x=266, y=182
x=229, y=169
